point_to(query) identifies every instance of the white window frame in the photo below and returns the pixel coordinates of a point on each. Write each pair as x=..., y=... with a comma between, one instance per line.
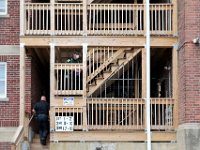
x=6, y=8
x=4, y=96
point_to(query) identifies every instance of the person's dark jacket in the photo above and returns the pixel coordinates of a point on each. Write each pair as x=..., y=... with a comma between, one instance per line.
x=42, y=107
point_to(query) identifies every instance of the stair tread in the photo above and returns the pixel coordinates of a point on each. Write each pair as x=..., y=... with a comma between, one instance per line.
x=36, y=145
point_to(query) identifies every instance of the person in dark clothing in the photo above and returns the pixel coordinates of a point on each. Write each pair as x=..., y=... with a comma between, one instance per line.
x=41, y=110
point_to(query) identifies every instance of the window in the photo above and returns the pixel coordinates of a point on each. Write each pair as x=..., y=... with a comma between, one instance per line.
x=3, y=7
x=3, y=80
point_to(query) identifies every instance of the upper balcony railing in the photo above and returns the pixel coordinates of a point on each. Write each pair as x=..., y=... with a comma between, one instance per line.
x=102, y=19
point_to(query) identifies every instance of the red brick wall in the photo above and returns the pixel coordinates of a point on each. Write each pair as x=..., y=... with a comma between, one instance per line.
x=9, y=110
x=9, y=26
x=189, y=61
x=5, y=146
x=28, y=83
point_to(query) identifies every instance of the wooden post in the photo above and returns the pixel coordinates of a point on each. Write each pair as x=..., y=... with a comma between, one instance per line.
x=85, y=46
x=175, y=83
x=85, y=17
x=136, y=81
x=52, y=82
x=144, y=19
x=174, y=19
x=144, y=90
x=22, y=85
x=144, y=73
x=22, y=17
x=52, y=27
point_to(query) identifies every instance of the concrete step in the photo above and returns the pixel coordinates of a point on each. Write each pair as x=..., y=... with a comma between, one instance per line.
x=36, y=145
x=39, y=147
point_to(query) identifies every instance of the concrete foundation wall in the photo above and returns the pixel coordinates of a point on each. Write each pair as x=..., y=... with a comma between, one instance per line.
x=111, y=146
x=188, y=137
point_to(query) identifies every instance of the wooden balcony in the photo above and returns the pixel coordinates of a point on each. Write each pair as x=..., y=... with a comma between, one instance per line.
x=101, y=19
x=120, y=114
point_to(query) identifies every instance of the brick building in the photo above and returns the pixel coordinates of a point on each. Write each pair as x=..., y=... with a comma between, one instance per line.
x=104, y=93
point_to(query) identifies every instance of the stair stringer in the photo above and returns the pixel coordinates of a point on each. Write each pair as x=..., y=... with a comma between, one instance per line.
x=107, y=75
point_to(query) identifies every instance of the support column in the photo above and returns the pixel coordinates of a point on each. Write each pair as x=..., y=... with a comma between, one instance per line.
x=144, y=24
x=175, y=83
x=52, y=62
x=148, y=73
x=22, y=86
x=175, y=19
x=22, y=17
x=52, y=27
x=85, y=47
x=144, y=74
x=85, y=17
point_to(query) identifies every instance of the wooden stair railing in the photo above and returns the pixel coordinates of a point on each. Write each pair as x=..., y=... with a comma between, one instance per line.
x=113, y=70
x=105, y=64
x=21, y=132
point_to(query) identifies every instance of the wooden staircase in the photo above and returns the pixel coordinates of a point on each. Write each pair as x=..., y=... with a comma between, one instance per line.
x=114, y=65
x=35, y=145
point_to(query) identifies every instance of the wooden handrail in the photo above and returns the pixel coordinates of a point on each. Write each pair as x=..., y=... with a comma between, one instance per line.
x=17, y=137
x=19, y=134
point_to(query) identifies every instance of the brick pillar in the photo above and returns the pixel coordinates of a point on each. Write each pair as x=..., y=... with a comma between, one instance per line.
x=189, y=75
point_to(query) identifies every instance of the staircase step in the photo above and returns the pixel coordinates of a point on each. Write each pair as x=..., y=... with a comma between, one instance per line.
x=39, y=146
x=36, y=145
x=113, y=68
x=118, y=54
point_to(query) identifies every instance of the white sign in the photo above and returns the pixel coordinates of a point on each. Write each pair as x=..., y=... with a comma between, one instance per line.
x=68, y=101
x=64, y=123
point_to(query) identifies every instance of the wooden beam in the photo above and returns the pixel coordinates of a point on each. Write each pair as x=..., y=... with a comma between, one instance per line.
x=175, y=19
x=22, y=18
x=143, y=73
x=85, y=49
x=52, y=17
x=22, y=86
x=85, y=18
x=111, y=136
x=58, y=101
x=128, y=41
x=175, y=83
x=52, y=84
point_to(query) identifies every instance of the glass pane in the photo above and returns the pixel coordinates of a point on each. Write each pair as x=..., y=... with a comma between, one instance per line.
x=2, y=71
x=2, y=88
x=2, y=5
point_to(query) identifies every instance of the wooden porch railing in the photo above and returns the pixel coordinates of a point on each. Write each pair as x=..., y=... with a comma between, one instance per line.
x=102, y=19
x=68, y=77
x=115, y=113
x=68, y=19
x=109, y=19
x=75, y=112
x=121, y=114
x=161, y=19
x=162, y=113
x=38, y=18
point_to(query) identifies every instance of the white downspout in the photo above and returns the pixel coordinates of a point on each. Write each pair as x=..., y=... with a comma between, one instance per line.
x=148, y=76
